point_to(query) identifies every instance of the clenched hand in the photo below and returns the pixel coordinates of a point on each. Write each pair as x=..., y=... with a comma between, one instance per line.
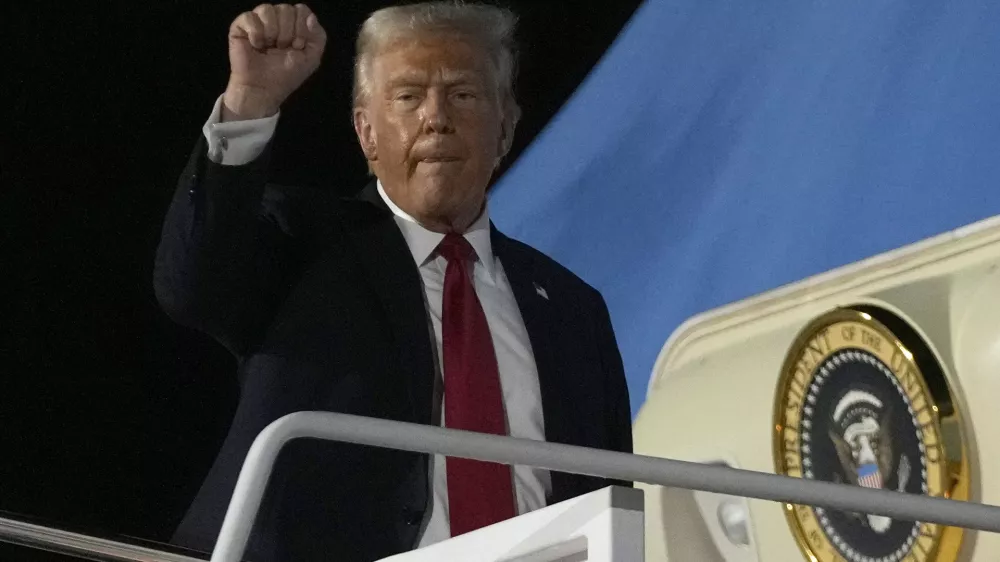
x=272, y=51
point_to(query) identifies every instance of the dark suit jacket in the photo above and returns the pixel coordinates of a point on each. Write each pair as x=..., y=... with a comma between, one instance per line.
x=319, y=299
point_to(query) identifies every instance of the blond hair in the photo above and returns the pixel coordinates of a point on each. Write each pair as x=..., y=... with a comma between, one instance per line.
x=491, y=27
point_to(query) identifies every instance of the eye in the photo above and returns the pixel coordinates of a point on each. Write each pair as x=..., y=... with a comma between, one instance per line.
x=407, y=96
x=464, y=95
x=407, y=99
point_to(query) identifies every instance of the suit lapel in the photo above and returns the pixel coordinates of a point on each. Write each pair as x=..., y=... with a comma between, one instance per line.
x=540, y=321
x=395, y=280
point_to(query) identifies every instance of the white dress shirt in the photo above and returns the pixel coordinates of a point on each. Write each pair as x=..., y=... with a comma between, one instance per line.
x=240, y=142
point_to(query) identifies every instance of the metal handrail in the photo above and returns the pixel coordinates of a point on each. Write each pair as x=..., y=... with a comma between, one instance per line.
x=552, y=456
x=568, y=458
x=82, y=546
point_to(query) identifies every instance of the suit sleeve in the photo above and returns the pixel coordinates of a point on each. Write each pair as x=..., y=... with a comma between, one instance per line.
x=223, y=260
x=617, y=404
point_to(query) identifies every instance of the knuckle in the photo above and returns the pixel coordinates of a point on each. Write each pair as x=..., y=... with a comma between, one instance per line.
x=247, y=21
x=264, y=11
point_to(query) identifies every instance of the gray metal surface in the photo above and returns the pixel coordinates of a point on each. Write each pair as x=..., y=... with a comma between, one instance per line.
x=552, y=456
x=81, y=546
x=567, y=458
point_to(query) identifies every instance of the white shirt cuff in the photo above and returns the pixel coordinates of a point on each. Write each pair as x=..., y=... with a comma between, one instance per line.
x=235, y=143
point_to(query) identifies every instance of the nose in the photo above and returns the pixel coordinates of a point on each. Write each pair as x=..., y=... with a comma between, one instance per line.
x=437, y=113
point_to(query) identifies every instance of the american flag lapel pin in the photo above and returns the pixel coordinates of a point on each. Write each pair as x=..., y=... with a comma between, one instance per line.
x=541, y=291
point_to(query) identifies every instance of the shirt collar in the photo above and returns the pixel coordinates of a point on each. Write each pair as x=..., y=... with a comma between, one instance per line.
x=423, y=242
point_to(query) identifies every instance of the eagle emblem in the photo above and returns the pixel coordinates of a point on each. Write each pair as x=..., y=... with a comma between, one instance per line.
x=858, y=406
x=861, y=432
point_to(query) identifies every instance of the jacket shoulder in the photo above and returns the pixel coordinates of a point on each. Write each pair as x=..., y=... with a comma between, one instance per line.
x=548, y=267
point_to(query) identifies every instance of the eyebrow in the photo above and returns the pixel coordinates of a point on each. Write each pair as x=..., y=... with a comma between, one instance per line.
x=420, y=79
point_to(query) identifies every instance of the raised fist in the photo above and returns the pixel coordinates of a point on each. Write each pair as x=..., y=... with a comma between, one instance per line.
x=272, y=51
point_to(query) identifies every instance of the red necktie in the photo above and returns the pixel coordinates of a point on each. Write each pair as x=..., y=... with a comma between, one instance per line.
x=479, y=493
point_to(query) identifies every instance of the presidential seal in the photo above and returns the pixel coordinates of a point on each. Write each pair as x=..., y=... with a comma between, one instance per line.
x=856, y=406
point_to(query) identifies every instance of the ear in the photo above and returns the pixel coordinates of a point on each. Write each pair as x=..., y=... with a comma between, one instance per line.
x=508, y=122
x=503, y=143
x=366, y=134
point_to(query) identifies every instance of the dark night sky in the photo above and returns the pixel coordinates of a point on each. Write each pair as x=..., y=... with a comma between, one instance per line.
x=109, y=413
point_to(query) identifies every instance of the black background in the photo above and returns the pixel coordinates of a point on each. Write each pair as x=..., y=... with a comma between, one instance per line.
x=109, y=413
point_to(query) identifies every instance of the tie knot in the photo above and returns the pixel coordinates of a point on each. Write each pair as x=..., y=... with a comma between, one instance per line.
x=456, y=247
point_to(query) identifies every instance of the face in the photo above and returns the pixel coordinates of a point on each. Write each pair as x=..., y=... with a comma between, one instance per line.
x=432, y=129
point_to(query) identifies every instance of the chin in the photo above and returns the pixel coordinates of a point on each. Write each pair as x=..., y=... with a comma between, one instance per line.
x=438, y=188
x=443, y=199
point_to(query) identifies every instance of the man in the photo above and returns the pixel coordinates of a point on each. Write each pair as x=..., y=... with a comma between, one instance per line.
x=404, y=303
